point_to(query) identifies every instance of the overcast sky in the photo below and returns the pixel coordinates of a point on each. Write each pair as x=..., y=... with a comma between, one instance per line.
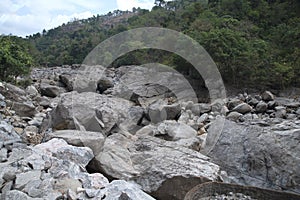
x=26, y=17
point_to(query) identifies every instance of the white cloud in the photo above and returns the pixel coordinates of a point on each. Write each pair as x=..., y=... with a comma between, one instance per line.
x=129, y=4
x=25, y=17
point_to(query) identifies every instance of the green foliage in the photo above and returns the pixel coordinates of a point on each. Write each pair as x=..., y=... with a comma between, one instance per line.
x=15, y=59
x=254, y=43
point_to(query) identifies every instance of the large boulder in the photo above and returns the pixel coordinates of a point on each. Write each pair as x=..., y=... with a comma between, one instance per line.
x=84, y=79
x=147, y=84
x=7, y=133
x=50, y=90
x=257, y=156
x=169, y=130
x=18, y=101
x=24, y=109
x=12, y=92
x=93, y=140
x=162, y=168
x=90, y=112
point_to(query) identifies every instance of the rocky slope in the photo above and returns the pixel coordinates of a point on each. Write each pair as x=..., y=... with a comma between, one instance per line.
x=104, y=134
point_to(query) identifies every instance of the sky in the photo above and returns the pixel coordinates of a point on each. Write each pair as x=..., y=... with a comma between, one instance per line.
x=27, y=17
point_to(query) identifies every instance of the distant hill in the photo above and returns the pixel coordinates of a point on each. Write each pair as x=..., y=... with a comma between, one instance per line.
x=71, y=42
x=254, y=43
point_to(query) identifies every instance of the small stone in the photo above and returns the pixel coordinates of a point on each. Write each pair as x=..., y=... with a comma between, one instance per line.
x=96, y=181
x=3, y=155
x=272, y=104
x=248, y=116
x=201, y=131
x=267, y=96
x=255, y=116
x=31, y=129
x=261, y=107
x=291, y=116
x=233, y=103
x=71, y=195
x=19, y=131
x=67, y=183
x=253, y=102
x=9, y=176
x=224, y=110
x=31, y=91
x=234, y=116
x=242, y=108
x=49, y=90
x=202, y=118
x=280, y=112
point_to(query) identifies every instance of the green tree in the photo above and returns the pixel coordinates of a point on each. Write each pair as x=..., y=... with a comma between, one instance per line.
x=14, y=59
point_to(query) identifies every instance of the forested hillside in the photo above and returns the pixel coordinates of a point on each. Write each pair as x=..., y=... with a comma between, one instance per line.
x=254, y=43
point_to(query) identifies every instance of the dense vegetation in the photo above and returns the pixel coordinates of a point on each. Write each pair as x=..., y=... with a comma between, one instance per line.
x=254, y=43
x=15, y=57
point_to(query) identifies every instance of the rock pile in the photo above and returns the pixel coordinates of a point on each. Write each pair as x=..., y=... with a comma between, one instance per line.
x=108, y=134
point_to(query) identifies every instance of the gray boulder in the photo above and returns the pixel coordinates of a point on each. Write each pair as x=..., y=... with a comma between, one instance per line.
x=259, y=156
x=18, y=101
x=50, y=90
x=232, y=103
x=84, y=79
x=32, y=91
x=24, y=109
x=147, y=84
x=93, y=140
x=23, y=179
x=7, y=133
x=267, y=96
x=253, y=102
x=160, y=111
x=234, y=116
x=280, y=112
x=119, y=189
x=162, y=168
x=181, y=134
x=261, y=107
x=90, y=112
x=104, y=83
x=13, y=93
x=200, y=108
x=242, y=108
x=170, y=130
x=43, y=101
x=298, y=111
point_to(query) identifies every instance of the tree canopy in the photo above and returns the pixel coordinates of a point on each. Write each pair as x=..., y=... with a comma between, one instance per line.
x=15, y=58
